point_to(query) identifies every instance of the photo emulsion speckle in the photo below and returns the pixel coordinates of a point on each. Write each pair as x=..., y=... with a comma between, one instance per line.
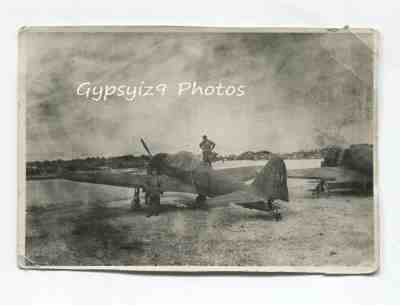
x=198, y=149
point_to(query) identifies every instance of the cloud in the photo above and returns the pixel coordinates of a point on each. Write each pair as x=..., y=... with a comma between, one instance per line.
x=300, y=87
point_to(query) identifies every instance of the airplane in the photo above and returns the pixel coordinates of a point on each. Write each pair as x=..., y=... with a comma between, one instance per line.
x=343, y=170
x=184, y=172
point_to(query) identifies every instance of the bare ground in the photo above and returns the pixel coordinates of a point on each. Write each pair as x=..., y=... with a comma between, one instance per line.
x=337, y=230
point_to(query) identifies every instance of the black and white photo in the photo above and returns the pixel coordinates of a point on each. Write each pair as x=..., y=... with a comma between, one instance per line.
x=198, y=149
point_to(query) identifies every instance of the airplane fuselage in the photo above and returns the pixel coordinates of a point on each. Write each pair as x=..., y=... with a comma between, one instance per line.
x=210, y=182
x=190, y=170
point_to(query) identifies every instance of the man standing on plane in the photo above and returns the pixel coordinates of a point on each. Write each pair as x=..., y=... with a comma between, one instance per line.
x=207, y=147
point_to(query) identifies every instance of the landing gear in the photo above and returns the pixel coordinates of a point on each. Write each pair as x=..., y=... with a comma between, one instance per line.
x=275, y=209
x=277, y=216
x=320, y=188
x=200, y=201
x=135, y=203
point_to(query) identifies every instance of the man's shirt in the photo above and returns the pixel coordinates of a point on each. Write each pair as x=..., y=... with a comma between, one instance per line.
x=207, y=145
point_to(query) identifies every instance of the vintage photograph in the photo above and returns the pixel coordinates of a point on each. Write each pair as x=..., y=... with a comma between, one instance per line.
x=198, y=149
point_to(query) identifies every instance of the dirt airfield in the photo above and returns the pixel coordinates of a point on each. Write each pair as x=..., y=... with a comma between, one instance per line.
x=329, y=231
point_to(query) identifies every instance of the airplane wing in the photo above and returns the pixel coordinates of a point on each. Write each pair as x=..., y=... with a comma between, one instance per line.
x=334, y=174
x=240, y=196
x=120, y=178
x=248, y=199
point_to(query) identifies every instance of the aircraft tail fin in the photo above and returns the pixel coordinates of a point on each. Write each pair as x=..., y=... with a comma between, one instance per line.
x=271, y=181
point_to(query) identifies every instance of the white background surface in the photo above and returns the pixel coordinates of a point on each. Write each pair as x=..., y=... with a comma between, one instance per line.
x=61, y=287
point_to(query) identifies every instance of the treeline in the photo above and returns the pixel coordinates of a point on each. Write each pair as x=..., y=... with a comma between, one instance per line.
x=44, y=168
x=92, y=163
x=265, y=155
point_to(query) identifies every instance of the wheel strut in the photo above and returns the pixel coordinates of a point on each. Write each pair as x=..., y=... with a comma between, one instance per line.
x=135, y=203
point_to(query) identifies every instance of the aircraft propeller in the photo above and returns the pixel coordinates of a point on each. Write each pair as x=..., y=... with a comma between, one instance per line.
x=156, y=161
x=146, y=147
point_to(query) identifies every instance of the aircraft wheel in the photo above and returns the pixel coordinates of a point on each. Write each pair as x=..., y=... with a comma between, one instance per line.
x=278, y=216
x=135, y=207
x=200, y=200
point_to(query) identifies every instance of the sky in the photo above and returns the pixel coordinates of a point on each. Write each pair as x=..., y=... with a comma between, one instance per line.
x=303, y=91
